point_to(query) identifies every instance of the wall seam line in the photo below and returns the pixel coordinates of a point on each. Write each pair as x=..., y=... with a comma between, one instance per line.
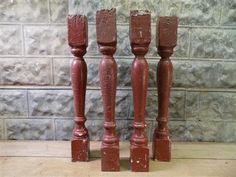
x=27, y=101
x=52, y=71
x=23, y=40
x=49, y=11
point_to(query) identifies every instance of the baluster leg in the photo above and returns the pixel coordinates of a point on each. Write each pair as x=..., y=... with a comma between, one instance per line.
x=140, y=37
x=166, y=41
x=77, y=38
x=106, y=39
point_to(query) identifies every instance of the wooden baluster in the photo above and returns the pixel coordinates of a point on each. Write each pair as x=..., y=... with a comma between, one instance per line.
x=106, y=39
x=78, y=40
x=140, y=37
x=166, y=41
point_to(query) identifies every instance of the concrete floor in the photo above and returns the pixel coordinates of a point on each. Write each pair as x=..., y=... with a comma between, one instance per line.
x=52, y=159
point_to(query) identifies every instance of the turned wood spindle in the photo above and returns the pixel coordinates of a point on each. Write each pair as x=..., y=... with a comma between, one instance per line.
x=166, y=41
x=106, y=39
x=78, y=41
x=140, y=37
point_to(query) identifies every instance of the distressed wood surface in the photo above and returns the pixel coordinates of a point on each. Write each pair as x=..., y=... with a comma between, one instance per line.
x=166, y=41
x=140, y=38
x=106, y=39
x=78, y=40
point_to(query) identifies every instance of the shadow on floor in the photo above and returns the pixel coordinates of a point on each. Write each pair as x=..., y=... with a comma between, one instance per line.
x=124, y=164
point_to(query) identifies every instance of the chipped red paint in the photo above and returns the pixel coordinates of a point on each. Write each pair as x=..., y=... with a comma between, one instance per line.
x=106, y=39
x=166, y=41
x=78, y=40
x=140, y=38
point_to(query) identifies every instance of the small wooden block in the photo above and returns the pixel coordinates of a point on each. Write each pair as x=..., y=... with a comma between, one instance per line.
x=110, y=159
x=80, y=150
x=77, y=30
x=162, y=151
x=106, y=26
x=167, y=31
x=139, y=161
x=140, y=27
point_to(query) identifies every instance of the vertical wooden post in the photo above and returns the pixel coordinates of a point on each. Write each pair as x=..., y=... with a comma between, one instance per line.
x=140, y=38
x=166, y=41
x=78, y=40
x=106, y=39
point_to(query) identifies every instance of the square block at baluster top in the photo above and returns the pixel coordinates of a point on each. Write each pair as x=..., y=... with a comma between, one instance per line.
x=140, y=27
x=167, y=31
x=77, y=30
x=106, y=26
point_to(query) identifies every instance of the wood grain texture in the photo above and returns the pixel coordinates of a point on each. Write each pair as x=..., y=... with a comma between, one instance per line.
x=77, y=30
x=140, y=37
x=78, y=40
x=106, y=26
x=106, y=39
x=166, y=41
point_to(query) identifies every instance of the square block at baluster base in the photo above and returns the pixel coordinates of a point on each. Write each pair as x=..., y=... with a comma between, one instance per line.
x=80, y=150
x=162, y=149
x=110, y=159
x=139, y=159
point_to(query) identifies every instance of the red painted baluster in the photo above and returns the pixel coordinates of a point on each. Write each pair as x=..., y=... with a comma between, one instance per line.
x=78, y=40
x=140, y=37
x=106, y=39
x=166, y=41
